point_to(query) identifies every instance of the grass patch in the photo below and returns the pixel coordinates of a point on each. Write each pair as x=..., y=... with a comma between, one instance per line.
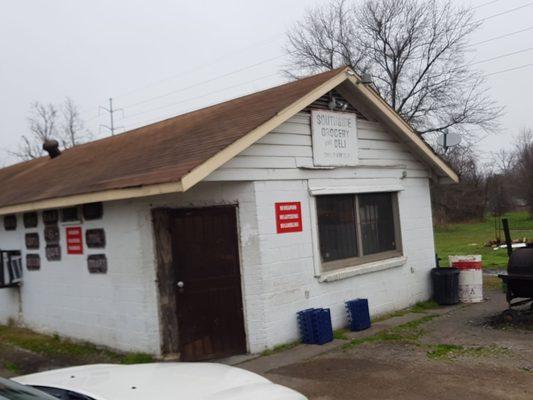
x=340, y=334
x=408, y=332
x=492, y=282
x=424, y=306
x=12, y=367
x=470, y=238
x=57, y=347
x=398, y=313
x=440, y=351
x=279, y=348
x=419, y=307
x=136, y=358
x=378, y=337
x=452, y=351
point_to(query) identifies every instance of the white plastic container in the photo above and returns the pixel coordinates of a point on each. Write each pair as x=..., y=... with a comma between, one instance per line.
x=470, y=277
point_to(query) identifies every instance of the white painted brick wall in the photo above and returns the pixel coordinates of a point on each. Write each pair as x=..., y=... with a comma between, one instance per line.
x=288, y=269
x=9, y=305
x=117, y=309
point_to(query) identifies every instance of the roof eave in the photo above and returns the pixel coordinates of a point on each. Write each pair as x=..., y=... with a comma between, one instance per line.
x=106, y=195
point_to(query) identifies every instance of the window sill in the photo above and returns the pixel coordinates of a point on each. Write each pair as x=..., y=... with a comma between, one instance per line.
x=348, y=272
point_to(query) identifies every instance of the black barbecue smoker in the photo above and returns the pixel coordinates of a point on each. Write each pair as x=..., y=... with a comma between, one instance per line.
x=519, y=276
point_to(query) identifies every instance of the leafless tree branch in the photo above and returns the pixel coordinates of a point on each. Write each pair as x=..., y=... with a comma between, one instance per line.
x=414, y=50
x=43, y=124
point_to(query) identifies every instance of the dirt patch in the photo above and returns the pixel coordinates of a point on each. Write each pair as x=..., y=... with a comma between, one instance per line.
x=406, y=373
x=23, y=351
x=522, y=319
x=16, y=361
x=456, y=355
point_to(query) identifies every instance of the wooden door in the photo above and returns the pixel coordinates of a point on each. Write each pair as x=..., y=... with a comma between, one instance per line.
x=208, y=283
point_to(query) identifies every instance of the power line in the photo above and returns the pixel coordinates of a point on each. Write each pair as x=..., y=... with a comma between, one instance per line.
x=270, y=75
x=201, y=96
x=505, y=12
x=502, y=56
x=200, y=67
x=205, y=81
x=485, y=4
x=280, y=56
x=155, y=119
x=510, y=69
x=501, y=36
x=490, y=59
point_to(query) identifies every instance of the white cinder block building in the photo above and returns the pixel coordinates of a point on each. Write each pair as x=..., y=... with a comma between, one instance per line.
x=204, y=234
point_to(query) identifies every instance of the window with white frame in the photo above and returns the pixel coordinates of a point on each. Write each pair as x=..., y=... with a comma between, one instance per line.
x=357, y=228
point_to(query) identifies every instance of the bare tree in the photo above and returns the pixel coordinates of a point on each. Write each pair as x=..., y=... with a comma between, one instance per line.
x=414, y=50
x=42, y=126
x=504, y=161
x=46, y=122
x=524, y=170
x=467, y=200
x=73, y=131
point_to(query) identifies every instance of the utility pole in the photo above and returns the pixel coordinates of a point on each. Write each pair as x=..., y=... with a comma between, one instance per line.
x=111, y=127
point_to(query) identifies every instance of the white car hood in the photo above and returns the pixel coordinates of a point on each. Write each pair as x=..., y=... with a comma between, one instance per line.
x=162, y=381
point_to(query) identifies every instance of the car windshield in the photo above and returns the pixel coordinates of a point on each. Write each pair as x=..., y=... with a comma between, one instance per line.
x=10, y=390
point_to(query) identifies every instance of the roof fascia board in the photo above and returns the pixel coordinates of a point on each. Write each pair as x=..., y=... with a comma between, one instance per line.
x=106, y=195
x=389, y=115
x=203, y=170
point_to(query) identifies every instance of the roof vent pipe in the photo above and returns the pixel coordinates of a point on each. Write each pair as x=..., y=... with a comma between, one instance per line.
x=51, y=146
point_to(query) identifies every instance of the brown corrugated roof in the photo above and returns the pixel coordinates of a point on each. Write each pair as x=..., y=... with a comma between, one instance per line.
x=159, y=153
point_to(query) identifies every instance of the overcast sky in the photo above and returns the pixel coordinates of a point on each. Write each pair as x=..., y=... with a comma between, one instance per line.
x=160, y=58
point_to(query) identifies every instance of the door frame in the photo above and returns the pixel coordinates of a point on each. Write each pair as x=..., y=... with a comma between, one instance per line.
x=166, y=276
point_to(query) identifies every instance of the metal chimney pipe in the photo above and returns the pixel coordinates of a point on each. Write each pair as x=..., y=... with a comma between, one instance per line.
x=51, y=146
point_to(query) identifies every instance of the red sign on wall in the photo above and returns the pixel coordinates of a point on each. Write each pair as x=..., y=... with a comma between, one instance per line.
x=288, y=217
x=74, y=240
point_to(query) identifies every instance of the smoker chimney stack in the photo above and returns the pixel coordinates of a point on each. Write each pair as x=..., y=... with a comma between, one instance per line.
x=51, y=146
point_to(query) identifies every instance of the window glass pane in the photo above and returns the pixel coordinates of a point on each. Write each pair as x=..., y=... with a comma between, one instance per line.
x=336, y=227
x=377, y=222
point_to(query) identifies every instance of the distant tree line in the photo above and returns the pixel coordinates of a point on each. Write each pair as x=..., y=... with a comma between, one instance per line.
x=504, y=184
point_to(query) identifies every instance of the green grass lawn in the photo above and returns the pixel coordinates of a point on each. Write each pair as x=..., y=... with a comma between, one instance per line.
x=470, y=238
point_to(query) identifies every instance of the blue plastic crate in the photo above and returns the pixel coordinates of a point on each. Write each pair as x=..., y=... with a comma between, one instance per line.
x=358, y=314
x=315, y=326
x=322, y=326
x=305, y=324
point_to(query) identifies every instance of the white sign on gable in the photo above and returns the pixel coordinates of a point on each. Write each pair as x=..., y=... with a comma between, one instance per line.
x=334, y=138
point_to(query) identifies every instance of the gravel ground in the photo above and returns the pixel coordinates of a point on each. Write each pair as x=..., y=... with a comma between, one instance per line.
x=464, y=354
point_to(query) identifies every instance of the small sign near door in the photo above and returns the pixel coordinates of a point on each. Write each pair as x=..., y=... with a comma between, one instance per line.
x=288, y=217
x=74, y=240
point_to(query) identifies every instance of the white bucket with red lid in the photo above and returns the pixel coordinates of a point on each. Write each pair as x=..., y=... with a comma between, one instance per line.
x=470, y=277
